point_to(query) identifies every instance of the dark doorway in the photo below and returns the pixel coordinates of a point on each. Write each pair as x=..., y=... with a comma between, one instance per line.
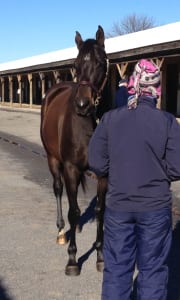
x=171, y=88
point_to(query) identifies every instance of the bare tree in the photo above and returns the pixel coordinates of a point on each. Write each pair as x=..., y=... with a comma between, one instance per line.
x=131, y=23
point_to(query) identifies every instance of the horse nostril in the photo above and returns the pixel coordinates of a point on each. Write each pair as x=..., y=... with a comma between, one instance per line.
x=82, y=102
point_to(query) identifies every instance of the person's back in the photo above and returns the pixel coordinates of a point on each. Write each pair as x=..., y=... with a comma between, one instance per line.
x=137, y=167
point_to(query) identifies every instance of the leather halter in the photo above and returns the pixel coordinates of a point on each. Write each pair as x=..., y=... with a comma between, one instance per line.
x=103, y=83
x=98, y=92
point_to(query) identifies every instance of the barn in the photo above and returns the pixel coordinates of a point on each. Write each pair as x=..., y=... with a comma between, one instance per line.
x=24, y=82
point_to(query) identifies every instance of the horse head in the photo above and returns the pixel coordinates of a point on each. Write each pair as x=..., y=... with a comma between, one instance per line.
x=91, y=67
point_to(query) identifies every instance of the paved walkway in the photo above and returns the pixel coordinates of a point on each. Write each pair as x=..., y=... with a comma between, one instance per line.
x=24, y=123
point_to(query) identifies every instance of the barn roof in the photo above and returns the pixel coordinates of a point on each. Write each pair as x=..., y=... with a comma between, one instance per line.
x=166, y=37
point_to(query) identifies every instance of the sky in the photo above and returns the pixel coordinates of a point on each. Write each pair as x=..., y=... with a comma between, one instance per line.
x=34, y=27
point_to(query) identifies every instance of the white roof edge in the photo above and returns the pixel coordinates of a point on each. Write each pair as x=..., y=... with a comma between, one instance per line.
x=152, y=36
x=156, y=35
x=49, y=57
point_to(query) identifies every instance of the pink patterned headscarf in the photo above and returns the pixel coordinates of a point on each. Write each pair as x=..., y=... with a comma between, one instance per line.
x=145, y=80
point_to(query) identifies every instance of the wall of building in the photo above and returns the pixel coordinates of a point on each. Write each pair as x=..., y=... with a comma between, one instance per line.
x=26, y=89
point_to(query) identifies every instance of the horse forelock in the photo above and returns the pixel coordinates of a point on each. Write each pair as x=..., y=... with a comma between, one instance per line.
x=91, y=51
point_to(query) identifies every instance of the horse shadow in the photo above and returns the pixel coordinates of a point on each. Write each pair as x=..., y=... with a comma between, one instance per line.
x=174, y=265
x=84, y=257
x=87, y=216
x=89, y=213
x=3, y=292
x=173, y=290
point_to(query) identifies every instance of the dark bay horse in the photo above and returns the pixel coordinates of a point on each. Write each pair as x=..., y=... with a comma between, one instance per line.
x=68, y=119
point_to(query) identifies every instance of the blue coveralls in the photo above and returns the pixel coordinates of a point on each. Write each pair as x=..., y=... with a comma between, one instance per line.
x=121, y=97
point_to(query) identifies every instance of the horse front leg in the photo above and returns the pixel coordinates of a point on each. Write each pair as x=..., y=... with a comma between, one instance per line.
x=72, y=180
x=99, y=211
x=58, y=190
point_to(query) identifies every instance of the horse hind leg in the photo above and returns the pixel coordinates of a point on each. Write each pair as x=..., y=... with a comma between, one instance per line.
x=99, y=210
x=58, y=190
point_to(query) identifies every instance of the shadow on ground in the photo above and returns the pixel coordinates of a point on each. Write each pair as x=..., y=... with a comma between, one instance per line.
x=174, y=266
x=3, y=292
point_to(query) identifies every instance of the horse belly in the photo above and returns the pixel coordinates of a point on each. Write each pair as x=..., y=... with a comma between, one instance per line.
x=75, y=139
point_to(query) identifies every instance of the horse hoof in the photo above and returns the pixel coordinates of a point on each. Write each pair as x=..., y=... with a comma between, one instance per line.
x=100, y=266
x=61, y=240
x=72, y=270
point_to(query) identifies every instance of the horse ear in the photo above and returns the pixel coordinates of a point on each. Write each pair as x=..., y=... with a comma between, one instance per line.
x=100, y=36
x=78, y=40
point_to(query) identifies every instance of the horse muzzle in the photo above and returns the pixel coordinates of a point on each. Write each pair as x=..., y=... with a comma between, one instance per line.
x=84, y=106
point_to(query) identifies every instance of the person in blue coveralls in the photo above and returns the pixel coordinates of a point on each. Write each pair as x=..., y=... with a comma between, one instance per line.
x=121, y=96
x=138, y=148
